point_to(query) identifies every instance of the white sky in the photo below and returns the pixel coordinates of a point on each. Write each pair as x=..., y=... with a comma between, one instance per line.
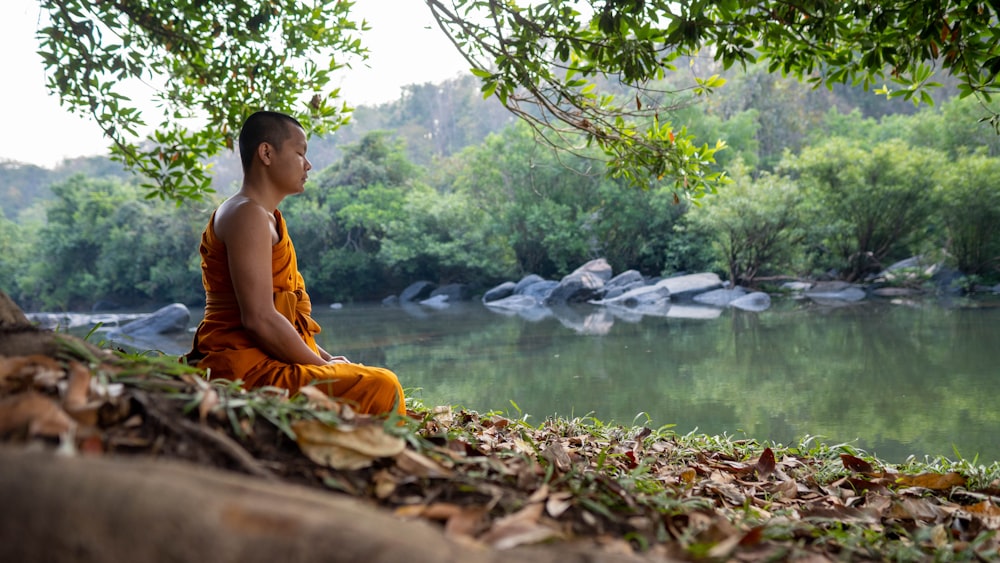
x=406, y=47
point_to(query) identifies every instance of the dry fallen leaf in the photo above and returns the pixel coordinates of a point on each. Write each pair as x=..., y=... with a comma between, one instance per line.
x=522, y=527
x=345, y=447
x=43, y=371
x=933, y=481
x=76, y=399
x=318, y=399
x=558, y=503
x=420, y=465
x=765, y=465
x=856, y=464
x=41, y=415
x=209, y=400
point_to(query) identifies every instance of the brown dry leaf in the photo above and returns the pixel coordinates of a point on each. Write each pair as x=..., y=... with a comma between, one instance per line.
x=467, y=522
x=557, y=455
x=443, y=415
x=345, y=447
x=440, y=511
x=317, y=399
x=785, y=490
x=385, y=484
x=558, y=503
x=41, y=415
x=76, y=399
x=933, y=481
x=78, y=388
x=984, y=508
x=420, y=465
x=765, y=465
x=43, y=371
x=916, y=509
x=209, y=400
x=856, y=464
x=540, y=494
x=522, y=527
x=409, y=510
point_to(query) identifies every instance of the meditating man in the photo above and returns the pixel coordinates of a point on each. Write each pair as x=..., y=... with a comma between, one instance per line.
x=257, y=326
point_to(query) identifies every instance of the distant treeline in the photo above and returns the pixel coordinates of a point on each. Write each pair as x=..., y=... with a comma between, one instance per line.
x=445, y=186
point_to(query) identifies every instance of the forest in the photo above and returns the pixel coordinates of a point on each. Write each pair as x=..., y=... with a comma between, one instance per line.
x=446, y=186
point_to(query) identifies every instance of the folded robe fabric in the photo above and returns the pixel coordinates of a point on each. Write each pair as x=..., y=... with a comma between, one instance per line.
x=224, y=347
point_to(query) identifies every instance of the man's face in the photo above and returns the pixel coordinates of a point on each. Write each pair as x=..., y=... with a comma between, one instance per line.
x=290, y=167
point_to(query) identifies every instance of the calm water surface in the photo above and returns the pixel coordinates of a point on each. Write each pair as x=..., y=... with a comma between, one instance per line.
x=894, y=380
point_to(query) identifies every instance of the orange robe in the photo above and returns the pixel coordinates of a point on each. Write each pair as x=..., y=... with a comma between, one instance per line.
x=222, y=345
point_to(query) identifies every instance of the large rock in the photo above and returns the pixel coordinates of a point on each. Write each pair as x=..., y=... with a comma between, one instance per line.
x=756, y=302
x=686, y=287
x=833, y=292
x=169, y=319
x=539, y=291
x=625, y=279
x=416, y=291
x=582, y=284
x=645, y=297
x=720, y=297
x=506, y=289
x=526, y=282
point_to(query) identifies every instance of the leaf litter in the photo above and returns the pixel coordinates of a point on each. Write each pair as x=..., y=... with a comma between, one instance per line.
x=492, y=481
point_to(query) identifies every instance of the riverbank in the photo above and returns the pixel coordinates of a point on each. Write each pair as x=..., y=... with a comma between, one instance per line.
x=491, y=483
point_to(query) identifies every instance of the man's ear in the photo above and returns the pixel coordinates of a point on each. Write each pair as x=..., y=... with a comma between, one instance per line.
x=264, y=152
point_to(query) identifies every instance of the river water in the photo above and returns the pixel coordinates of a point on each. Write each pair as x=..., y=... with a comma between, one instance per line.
x=892, y=379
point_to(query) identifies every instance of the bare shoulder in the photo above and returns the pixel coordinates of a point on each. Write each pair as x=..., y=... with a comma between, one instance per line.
x=239, y=216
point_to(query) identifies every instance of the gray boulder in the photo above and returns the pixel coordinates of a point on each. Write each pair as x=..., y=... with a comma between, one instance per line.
x=720, y=297
x=539, y=291
x=526, y=282
x=172, y=318
x=686, y=287
x=613, y=292
x=506, y=289
x=756, y=302
x=645, y=297
x=628, y=278
x=583, y=284
x=416, y=291
x=836, y=291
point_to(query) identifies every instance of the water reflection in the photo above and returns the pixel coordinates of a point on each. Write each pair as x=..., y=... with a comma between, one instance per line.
x=893, y=380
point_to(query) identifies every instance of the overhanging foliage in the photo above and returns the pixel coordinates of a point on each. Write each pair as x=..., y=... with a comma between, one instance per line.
x=211, y=63
x=543, y=59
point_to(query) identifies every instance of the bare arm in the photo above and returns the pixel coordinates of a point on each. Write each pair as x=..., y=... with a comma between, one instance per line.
x=248, y=231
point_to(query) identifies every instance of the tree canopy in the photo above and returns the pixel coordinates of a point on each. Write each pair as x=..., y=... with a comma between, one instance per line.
x=582, y=72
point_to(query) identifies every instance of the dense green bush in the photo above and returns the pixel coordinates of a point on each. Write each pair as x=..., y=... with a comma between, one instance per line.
x=756, y=225
x=969, y=196
x=866, y=206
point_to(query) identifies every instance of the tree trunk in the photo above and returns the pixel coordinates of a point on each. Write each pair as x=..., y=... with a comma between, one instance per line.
x=18, y=337
x=97, y=509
